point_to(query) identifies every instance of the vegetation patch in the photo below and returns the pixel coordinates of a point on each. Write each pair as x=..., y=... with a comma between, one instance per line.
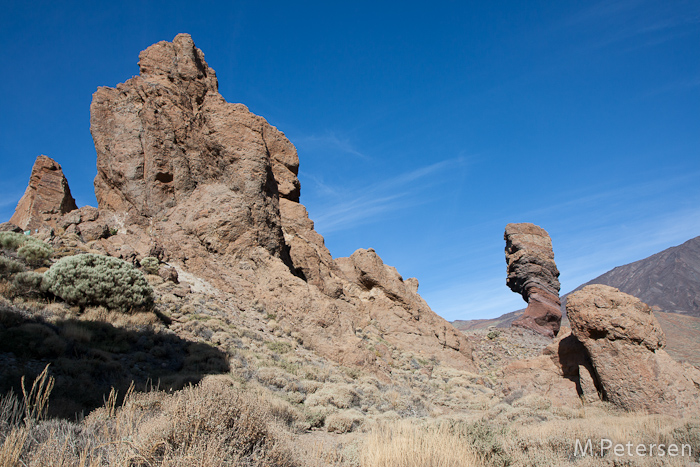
x=97, y=280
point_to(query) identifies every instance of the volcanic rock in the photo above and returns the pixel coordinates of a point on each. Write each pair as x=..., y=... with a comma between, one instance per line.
x=9, y=227
x=533, y=273
x=214, y=189
x=85, y=222
x=563, y=374
x=46, y=198
x=625, y=344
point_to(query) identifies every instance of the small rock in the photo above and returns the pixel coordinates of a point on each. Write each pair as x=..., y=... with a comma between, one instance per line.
x=168, y=273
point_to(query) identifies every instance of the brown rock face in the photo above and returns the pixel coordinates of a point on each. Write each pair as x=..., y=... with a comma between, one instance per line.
x=563, y=374
x=169, y=145
x=212, y=189
x=47, y=197
x=625, y=344
x=533, y=273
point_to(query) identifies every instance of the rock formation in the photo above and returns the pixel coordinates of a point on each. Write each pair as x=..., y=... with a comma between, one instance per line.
x=563, y=374
x=625, y=344
x=46, y=198
x=212, y=189
x=533, y=273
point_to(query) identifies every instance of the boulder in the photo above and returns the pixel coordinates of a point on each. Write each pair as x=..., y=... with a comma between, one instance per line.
x=625, y=343
x=168, y=273
x=46, y=198
x=533, y=273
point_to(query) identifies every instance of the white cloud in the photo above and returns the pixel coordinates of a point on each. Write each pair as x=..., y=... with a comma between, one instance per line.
x=331, y=142
x=350, y=207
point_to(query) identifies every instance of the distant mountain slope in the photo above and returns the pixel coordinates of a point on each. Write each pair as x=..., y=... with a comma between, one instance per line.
x=503, y=321
x=668, y=281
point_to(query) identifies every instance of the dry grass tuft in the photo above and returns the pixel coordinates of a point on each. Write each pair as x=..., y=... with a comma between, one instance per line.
x=214, y=423
x=407, y=444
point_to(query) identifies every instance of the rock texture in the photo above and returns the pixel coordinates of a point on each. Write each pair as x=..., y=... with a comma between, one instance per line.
x=9, y=227
x=212, y=189
x=533, y=273
x=46, y=198
x=625, y=344
x=563, y=373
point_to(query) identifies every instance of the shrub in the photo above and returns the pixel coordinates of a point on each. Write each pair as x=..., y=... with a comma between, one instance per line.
x=9, y=266
x=150, y=264
x=35, y=253
x=94, y=280
x=14, y=240
x=344, y=421
x=27, y=284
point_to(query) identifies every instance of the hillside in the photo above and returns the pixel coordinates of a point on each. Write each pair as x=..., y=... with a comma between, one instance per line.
x=668, y=281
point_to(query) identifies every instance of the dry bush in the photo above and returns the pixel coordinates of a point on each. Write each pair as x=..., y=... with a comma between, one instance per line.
x=18, y=418
x=212, y=424
x=342, y=396
x=407, y=444
x=344, y=421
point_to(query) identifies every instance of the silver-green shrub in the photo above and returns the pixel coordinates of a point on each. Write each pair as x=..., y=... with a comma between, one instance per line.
x=94, y=280
x=150, y=264
x=28, y=283
x=14, y=240
x=9, y=267
x=35, y=253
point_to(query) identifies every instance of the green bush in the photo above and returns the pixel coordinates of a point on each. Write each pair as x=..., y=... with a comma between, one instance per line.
x=94, y=280
x=14, y=240
x=35, y=253
x=28, y=284
x=9, y=266
x=150, y=264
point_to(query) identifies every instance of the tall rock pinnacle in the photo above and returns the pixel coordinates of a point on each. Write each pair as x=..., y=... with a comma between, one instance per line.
x=211, y=188
x=47, y=196
x=533, y=273
x=167, y=139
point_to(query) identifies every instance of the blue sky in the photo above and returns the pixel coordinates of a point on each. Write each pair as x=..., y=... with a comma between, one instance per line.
x=422, y=128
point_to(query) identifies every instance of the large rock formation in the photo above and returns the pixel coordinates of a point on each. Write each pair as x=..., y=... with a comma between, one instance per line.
x=46, y=198
x=625, y=344
x=533, y=273
x=212, y=188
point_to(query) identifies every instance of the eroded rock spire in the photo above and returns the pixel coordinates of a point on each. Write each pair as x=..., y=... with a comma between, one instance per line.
x=533, y=274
